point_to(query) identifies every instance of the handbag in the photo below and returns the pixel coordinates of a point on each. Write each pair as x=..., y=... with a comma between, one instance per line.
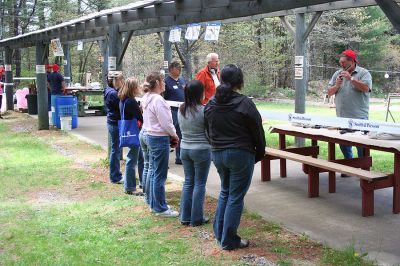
x=128, y=131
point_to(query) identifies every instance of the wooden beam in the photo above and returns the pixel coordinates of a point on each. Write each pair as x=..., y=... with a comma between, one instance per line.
x=287, y=25
x=392, y=11
x=124, y=46
x=311, y=26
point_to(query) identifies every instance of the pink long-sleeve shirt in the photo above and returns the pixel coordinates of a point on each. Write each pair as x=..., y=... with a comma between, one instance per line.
x=157, y=117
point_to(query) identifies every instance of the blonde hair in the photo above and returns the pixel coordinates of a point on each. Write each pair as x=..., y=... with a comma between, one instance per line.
x=131, y=89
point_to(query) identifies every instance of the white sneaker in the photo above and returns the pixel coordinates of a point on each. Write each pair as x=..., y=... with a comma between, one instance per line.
x=153, y=211
x=168, y=213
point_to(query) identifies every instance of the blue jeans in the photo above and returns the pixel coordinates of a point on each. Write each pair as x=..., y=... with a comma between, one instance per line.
x=53, y=108
x=130, y=167
x=348, y=152
x=140, y=162
x=115, y=173
x=174, y=112
x=235, y=168
x=146, y=165
x=158, y=158
x=196, y=165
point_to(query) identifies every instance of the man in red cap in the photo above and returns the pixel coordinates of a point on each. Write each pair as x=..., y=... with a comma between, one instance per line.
x=57, y=86
x=351, y=86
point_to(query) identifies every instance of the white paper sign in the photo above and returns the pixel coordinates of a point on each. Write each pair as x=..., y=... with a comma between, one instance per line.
x=80, y=46
x=40, y=69
x=212, y=31
x=175, y=35
x=193, y=32
x=165, y=64
x=112, y=63
x=298, y=73
x=7, y=67
x=299, y=61
x=56, y=47
x=65, y=62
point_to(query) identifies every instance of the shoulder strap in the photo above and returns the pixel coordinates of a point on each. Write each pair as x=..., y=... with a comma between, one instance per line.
x=123, y=111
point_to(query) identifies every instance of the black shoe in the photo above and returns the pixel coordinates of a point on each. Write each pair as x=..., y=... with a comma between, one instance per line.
x=178, y=162
x=185, y=223
x=344, y=175
x=134, y=193
x=244, y=243
x=206, y=220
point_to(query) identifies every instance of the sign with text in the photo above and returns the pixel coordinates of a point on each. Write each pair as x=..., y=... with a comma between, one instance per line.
x=212, y=31
x=112, y=63
x=299, y=61
x=193, y=32
x=298, y=73
x=175, y=35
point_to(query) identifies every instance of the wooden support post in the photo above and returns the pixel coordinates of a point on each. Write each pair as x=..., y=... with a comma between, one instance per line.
x=41, y=84
x=396, y=183
x=392, y=11
x=332, y=175
x=67, y=64
x=366, y=153
x=367, y=205
x=9, y=82
x=167, y=51
x=313, y=182
x=282, y=146
x=314, y=143
x=266, y=169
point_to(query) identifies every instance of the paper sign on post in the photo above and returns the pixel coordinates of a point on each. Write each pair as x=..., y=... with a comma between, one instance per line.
x=193, y=32
x=212, y=31
x=56, y=47
x=175, y=35
x=112, y=63
x=80, y=46
x=7, y=67
x=298, y=73
x=299, y=61
x=40, y=69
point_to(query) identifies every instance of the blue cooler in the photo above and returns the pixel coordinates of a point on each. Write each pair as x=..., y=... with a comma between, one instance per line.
x=66, y=106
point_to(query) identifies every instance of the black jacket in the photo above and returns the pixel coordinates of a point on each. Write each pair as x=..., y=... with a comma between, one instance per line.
x=111, y=102
x=235, y=124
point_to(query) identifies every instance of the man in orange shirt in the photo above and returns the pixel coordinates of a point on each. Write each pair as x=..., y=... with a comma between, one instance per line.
x=210, y=76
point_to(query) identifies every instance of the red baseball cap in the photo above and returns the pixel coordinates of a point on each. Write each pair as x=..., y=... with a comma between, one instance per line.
x=351, y=54
x=56, y=68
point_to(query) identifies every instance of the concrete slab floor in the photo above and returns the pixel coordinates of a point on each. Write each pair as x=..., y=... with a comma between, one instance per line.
x=333, y=219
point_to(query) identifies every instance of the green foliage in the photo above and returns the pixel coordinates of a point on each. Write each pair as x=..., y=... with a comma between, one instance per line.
x=348, y=256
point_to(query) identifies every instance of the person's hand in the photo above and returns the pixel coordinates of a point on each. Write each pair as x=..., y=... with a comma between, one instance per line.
x=339, y=81
x=174, y=141
x=345, y=75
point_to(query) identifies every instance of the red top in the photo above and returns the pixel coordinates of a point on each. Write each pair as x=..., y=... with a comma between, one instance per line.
x=204, y=75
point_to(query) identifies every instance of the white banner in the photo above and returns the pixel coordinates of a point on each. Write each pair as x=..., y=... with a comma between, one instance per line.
x=175, y=35
x=338, y=122
x=192, y=32
x=56, y=47
x=212, y=31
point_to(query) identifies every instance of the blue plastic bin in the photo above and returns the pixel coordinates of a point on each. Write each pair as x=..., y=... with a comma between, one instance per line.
x=66, y=106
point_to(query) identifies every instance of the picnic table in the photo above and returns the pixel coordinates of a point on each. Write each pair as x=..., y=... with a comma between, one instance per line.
x=81, y=93
x=358, y=167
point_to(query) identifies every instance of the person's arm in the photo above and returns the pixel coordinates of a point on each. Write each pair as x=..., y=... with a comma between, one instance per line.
x=135, y=109
x=334, y=84
x=254, y=123
x=163, y=113
x=361, y=84
x=63, y=87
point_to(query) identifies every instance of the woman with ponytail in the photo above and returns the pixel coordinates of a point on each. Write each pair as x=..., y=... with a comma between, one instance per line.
x=235, y=132
x=159, y=134
x=195, y=155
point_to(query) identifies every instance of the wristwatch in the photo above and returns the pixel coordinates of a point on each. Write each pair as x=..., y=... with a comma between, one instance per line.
x=352, y=78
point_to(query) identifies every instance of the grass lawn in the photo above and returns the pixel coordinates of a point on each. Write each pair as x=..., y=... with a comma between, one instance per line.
x=58, y=208
x=383, y=162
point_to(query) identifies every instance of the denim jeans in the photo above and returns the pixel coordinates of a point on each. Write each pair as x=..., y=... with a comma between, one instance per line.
x=130, y=169
x=174, y=112
x=196, y=165
x=115, y=173
x=146, y=165
x=348, y=150
x=158, y=158
x=140, y=163
x=235, y=168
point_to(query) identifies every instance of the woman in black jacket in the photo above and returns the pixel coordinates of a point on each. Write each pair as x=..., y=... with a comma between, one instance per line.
x=234, y=128
x=130, y=109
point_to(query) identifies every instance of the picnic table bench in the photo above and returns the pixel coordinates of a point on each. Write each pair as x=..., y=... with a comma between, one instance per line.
x=357, y=167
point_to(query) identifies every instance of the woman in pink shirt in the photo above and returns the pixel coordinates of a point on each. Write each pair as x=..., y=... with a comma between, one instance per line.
x=160, y=134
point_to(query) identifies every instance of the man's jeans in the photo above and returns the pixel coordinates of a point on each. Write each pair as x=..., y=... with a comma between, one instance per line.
x=348, y=150
x=235, y=168
x=196, y=164
x=174, y=112
x=146, y=165
x=158, y=159
x=140, y=167
x=115, y=173
x=130, y=167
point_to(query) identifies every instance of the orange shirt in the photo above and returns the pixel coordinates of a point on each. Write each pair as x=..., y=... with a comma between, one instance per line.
x=205, y=77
